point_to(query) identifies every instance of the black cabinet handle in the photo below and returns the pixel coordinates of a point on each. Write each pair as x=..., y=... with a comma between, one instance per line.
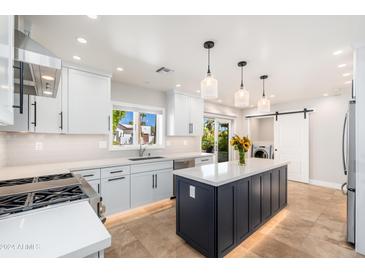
x=116, y=171
x=204, y=160
x=35, y=113
x=109, y=123
x=88, y=175
x=21, y=87
x=115, y=179
x=153, y=181
x=61, y=126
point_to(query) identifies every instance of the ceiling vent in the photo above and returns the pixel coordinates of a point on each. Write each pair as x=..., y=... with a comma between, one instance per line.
x=164, y=70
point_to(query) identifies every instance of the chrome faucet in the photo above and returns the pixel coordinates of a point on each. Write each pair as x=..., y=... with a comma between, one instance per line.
x=141, y=150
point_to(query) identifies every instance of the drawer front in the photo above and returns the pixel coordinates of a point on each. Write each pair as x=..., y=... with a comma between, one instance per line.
x=116, y=194
x=151, y=166
x=203, y=161
x=115, y=171
x=89, y=174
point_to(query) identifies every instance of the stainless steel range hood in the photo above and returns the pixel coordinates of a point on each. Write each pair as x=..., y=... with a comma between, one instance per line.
x=41, y=68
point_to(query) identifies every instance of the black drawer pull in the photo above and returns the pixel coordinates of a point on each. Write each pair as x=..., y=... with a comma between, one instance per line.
x=88, y=175
x=115, y=179
x=204, y=160
x=116, y=171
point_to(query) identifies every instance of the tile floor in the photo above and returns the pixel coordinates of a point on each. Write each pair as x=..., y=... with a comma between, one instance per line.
x=312, y=225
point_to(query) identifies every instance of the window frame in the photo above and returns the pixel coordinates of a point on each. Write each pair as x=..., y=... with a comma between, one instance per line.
x=160, y=125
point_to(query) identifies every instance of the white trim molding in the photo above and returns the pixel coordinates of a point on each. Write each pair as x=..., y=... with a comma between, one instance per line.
x=334, y=185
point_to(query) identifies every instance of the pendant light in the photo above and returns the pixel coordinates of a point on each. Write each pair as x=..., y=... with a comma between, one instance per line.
x=209, y=85
x=242, y=96
x=263, y=104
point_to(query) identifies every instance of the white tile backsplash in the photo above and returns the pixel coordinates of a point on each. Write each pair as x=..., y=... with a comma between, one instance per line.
x=25, y=149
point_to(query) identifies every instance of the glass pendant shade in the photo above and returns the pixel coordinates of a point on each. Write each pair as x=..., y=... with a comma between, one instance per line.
x=241, y=98
x=209, y=87
x=263, y=105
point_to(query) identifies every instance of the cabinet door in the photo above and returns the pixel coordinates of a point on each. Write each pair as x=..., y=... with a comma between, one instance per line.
x=275, y=190
x=255, y=201
x=163, y=184
x=178, y=115
x=116, y=194
x=196, y=116
x=20, y=120
x=226, y=218
x=89, y=103
x=266, y=195
x=142, y=188
x=283, y=186
x=46, y=113
x=242, y=209
x=95, y=184
x=6, y=69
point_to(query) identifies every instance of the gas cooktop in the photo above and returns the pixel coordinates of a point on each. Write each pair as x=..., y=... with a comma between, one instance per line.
x=24, y=197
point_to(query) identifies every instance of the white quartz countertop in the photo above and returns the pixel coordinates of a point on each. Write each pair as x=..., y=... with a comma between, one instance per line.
x=16, y=172
x=54, y=232
x=223, y=173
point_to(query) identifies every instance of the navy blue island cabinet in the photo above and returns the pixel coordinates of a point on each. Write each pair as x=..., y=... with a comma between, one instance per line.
x=215, y=219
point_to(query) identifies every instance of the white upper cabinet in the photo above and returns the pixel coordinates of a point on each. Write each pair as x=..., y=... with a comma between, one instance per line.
x=184, y=115
x=89, y=104
x=6, y=69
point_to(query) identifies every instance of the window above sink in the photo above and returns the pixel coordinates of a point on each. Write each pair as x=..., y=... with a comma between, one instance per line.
x=135, y=125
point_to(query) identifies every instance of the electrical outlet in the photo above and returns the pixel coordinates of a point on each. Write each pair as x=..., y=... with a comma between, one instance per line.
x=38, y=146
x=102, y=144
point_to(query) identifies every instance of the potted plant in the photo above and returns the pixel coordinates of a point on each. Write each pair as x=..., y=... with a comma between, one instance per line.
x=242, y=145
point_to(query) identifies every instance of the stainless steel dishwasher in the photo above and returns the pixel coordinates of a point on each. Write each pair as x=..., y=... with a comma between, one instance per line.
x=180, y=164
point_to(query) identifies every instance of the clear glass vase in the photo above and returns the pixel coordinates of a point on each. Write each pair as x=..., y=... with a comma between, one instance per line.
x=242, y=154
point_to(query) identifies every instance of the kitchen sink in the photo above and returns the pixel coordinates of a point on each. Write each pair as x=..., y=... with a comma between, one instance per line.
x=145, y=158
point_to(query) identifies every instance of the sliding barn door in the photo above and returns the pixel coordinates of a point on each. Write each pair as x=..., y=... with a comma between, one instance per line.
x=291, y=142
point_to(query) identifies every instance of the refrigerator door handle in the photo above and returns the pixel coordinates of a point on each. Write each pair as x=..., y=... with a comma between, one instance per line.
x=343, y=145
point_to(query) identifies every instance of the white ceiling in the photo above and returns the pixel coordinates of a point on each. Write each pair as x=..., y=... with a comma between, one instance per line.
x=295, y=51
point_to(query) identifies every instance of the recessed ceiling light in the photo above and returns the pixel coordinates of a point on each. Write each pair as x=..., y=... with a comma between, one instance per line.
x=346, y=74
x=81, y=40
x=272, y=96
x=325, y=94
x=75, y=57
x=47, y=92
x=337, y=52
x=178, y=85
x=120, y=69
x=348, y=82
x=92, y=16
x=47, y=77
x=342, y=66
x=198, y=91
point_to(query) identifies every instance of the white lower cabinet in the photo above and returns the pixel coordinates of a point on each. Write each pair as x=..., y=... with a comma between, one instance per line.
x=142, y=188
x=152, y=186
x=95, y=184
x=116, y=194
x=163, y=185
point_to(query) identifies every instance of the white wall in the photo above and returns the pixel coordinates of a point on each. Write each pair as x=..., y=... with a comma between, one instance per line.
x=3, y=154
x=359, y=75
x=262, y=130
x=58, y=148
x=325, y=136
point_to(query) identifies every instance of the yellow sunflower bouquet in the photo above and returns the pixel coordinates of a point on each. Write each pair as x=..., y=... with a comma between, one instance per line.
x=242, y=145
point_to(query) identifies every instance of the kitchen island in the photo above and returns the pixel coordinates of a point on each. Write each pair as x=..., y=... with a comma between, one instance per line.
x=220, y=205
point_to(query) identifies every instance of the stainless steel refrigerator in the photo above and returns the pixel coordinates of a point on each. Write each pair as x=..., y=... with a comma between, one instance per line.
x=348, y=157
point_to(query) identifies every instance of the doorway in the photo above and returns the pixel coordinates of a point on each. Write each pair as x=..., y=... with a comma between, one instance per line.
x=216, y=136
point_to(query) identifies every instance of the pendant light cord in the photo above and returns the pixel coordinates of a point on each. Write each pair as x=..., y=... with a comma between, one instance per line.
x=241, y=77
x=209, y=61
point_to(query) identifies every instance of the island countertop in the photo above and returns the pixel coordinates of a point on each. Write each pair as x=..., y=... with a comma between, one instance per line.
x=227, y=172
